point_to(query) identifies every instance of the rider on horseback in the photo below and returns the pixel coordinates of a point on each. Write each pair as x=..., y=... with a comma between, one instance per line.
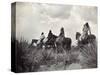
x=86, y=31
x=62, y=34
x=50, y=35
x=41, y=38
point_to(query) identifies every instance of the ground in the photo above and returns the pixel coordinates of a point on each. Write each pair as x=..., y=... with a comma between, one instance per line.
x=34, y=59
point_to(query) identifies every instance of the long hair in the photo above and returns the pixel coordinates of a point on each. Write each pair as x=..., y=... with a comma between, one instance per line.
x=62, y=32
x=87, y=25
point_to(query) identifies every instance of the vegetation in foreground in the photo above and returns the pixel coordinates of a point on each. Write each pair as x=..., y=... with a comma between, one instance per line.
x=31, y=59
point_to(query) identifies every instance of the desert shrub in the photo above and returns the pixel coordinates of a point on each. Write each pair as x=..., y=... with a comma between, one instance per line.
x=74, y=56
x=20, y=56
x=24, y=56
x=89, y=53
x=30, y=58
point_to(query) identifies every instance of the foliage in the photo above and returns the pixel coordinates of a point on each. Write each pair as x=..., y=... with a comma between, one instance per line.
x=32, y=59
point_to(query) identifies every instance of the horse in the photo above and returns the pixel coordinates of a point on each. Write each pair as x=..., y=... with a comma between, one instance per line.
x=90, y=38
x=34, y=41
x=64, y=43
x=50, y=43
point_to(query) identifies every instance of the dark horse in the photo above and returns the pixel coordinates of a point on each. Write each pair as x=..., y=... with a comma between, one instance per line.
x=65, y=43
x=62, y=42
x=50, y=43
x=90, y=38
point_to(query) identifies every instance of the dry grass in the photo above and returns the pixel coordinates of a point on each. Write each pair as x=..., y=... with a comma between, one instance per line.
x=89, y=53
x=33, y=59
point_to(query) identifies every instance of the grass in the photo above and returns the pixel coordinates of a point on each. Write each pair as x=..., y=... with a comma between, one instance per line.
x=33, y=59
x=89, y=53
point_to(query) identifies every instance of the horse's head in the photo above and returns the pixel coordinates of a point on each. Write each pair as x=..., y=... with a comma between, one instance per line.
x=78, y=35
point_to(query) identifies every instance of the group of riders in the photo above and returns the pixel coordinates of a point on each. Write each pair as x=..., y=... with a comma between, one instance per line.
x=42, y=37
x=86, y=31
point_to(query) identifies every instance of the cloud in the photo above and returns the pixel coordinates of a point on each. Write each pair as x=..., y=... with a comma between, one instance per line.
x=57, y=11
x=34, y=18
x=87, y=13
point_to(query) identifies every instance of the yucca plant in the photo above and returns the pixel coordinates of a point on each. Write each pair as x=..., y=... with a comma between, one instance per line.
x=89, y=53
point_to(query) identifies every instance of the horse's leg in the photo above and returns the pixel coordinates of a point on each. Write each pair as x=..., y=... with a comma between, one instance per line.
x=39, y=46
x=65, y=53
x=58, y=47
x=69, y=47
x=54, y=47
x=56, y=55
x=45, y=45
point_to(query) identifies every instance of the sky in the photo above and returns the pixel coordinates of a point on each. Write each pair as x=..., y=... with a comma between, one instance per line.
x=34, y=18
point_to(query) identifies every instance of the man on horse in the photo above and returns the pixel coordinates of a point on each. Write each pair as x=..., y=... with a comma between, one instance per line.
x=50, y=35
x=61, y=35
x=60, y=39
x=86, y=36
x=51, y=38
x=86, y=31
x=40, y=41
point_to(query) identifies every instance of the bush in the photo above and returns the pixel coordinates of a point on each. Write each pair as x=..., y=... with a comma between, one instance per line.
x=30, y=58
x=89, y=53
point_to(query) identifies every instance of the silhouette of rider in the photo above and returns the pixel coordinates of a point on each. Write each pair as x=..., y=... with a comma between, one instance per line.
x=50, y=35
x=62, y=34
x=86, y=31
x=41, y=38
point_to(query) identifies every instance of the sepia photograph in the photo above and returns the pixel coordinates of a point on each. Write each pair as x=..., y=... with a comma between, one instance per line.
x=53, y=37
